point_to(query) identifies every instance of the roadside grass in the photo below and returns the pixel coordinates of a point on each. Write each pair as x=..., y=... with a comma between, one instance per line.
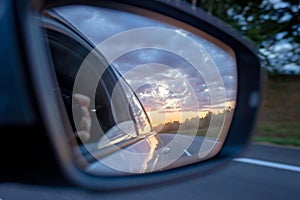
x=200, y=132
x=280, y=141
x=279, y=121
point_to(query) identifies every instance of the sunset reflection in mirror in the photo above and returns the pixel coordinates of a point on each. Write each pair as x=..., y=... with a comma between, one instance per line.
x=189, y=92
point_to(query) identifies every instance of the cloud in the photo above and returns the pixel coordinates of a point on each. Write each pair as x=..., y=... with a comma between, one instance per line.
x=173, y=87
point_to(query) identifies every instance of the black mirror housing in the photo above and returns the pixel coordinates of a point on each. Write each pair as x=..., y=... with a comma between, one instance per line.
x=249, y=93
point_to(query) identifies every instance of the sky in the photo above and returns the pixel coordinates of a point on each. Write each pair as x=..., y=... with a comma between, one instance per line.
x=168, y=85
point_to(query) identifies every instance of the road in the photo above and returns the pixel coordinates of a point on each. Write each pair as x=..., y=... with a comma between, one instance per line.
x=272, y=175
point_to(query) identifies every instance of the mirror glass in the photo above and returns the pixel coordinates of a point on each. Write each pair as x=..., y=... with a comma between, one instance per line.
x=143, y=92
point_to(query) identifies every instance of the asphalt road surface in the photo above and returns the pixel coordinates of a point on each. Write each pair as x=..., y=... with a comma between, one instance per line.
x=265, y=172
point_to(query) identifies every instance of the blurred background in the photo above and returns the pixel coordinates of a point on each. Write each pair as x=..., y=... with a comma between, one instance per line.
x=274, y=27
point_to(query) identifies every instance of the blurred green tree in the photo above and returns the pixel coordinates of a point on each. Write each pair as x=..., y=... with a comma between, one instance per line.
x=273, y=25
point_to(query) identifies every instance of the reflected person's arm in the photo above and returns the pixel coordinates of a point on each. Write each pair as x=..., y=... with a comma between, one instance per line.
x=85, y=124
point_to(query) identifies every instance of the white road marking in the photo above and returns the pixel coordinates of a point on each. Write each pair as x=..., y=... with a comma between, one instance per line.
x=268, y=164
x=187, y=153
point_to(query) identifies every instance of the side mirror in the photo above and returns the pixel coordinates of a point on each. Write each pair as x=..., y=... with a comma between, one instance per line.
x=148, y=91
